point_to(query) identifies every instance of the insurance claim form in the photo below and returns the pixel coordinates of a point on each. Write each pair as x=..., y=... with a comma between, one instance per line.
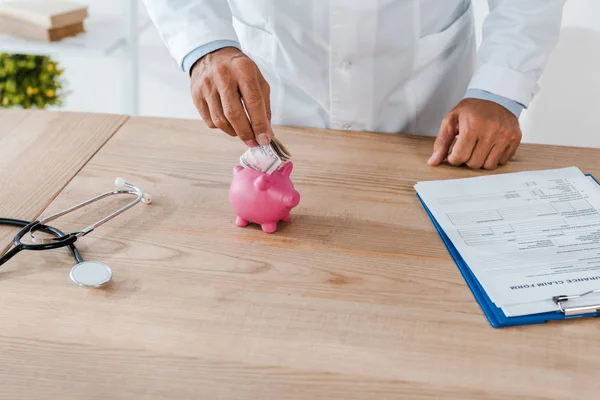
x=526, y=236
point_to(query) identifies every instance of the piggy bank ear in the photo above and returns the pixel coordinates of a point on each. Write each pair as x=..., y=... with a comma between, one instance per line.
x=286, y=168
x=237, y=169
x=262, y=182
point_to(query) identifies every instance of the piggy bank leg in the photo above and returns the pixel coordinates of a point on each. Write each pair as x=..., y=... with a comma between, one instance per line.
x=269, y=227
x=239, y=221
x=287, y=218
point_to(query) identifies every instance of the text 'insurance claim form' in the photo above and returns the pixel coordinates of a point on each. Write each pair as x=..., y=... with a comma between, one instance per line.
x=526, y=236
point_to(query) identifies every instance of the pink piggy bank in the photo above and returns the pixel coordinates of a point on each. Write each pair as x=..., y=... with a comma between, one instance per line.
x=261, y=198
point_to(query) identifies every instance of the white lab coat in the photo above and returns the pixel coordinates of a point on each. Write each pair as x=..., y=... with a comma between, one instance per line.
x=387, y=65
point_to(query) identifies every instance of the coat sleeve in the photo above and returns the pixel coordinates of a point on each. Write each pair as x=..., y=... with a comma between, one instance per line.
x=192, y=26
x=517, y=39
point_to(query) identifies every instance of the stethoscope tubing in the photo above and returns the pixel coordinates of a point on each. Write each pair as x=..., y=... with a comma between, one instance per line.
x=31, y=226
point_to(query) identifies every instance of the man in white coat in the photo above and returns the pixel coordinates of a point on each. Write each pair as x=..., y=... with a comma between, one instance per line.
x=397, y=66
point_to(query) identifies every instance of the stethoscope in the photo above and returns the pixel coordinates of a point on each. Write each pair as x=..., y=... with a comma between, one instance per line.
x=84, y=273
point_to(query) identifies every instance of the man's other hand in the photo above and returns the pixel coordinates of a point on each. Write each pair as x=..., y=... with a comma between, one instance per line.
x=487, y=135
x=222, y=83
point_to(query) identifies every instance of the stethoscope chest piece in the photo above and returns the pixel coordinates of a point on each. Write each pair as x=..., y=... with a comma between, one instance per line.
x=91, y=274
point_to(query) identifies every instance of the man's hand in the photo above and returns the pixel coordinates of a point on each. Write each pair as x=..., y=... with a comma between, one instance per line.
x=488, y=135
x=223, y=83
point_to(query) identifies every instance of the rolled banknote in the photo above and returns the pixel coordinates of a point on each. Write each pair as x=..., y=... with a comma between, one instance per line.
x=265, y=158
x=280, y=149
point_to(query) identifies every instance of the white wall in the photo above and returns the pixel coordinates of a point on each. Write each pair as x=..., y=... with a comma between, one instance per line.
x=564, y=112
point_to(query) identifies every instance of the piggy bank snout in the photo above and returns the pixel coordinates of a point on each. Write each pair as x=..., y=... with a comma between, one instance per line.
x=291, y=200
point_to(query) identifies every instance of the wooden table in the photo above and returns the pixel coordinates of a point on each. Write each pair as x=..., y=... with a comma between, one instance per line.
x=356, y=298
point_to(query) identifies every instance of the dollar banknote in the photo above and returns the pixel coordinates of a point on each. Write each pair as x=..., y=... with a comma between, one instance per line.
x=280, y=149
x=265, y=158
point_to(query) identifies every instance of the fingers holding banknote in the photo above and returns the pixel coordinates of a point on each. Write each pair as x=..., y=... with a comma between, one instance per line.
x=231, y=94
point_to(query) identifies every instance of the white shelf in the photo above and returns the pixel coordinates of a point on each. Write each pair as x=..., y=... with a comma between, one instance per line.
x=102, y=36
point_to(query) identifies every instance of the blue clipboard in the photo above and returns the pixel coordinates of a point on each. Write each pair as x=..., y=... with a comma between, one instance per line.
x=495, y=315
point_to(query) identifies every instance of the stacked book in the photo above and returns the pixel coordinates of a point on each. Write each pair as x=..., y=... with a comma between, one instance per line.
x=43, y=20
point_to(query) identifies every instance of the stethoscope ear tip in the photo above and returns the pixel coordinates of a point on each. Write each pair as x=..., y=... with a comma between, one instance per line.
x=120, y=183
x=91, y=274
x=146, y=198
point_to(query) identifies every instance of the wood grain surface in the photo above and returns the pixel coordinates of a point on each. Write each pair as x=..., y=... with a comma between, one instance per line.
x=355, y=298
x=39, y=153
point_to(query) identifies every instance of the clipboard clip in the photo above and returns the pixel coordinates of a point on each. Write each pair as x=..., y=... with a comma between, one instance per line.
x=590, y=309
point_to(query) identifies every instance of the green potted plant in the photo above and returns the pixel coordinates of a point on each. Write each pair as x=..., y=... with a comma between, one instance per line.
x=29, y=81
